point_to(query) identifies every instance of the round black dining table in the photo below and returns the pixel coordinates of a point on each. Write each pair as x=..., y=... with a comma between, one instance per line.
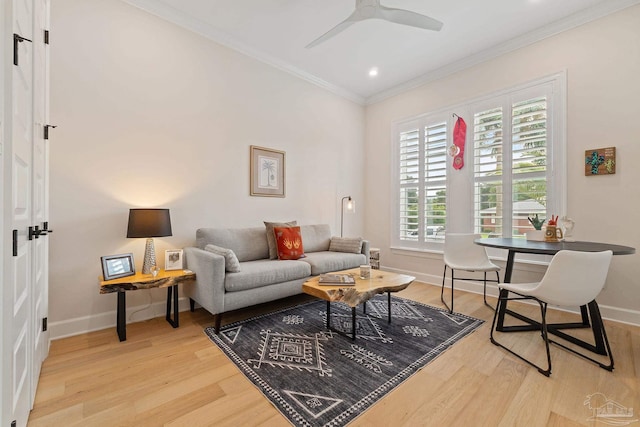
x=515, y=245
x=520, y=245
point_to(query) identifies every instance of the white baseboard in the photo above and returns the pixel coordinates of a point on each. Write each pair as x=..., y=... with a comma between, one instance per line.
x=616, y=314
x=81, y=325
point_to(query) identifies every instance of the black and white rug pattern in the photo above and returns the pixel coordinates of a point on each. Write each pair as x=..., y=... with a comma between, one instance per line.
x=317, y=377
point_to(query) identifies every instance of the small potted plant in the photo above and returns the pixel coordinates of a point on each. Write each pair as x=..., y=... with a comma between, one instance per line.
x=537, y=223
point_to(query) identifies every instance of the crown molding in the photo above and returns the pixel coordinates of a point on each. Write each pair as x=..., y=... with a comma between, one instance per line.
x=170, y=14
x=557, y=27
x=190, y=23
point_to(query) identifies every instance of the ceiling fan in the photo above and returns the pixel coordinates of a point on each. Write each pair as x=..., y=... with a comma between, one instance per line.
x=372, y=9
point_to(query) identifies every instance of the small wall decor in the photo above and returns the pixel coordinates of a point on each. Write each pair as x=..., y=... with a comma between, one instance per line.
x=459, y=136
x=267, y=172
x=116, y=266
x=600, y=161
x=173, y=259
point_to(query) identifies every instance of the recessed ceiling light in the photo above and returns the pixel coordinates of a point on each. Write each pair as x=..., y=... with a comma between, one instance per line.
x=373, y=72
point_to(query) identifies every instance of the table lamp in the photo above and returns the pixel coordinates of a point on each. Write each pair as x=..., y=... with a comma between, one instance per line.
x=149, y=223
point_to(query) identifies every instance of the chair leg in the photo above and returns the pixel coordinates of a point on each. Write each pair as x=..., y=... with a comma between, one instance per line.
x=598, y=329
x=485, y=289
x=545, y=337
x=442, y=290
x=545, y=372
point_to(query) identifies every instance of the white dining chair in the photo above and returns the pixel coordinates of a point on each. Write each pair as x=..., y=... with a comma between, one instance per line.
x=572, y=279
x=460, y=253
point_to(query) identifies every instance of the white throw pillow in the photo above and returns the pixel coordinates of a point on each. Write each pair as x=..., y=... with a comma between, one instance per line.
x=351, y=245
x=231, y=263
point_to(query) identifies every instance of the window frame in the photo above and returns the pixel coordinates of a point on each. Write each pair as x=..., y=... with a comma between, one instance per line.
x=420, y=123
x=458, y=204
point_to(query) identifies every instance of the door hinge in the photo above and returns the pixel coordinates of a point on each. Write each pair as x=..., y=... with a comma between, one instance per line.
x=46, y=130
x=44, y=324
x=15, y=242
x=17, y=39
x=46, y=36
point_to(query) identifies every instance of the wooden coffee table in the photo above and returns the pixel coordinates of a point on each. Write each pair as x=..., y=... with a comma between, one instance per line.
x=354, y=295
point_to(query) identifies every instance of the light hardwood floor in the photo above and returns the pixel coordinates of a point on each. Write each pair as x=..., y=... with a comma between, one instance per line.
x=177, y=377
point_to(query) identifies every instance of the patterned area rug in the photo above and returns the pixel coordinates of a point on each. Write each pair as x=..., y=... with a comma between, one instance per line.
x=316, y=377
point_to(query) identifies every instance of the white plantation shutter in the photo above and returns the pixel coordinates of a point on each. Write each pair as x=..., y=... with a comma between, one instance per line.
x=435, y=182
x=421, y=183
x=488, y=168
x=510, y=164
x=409, y=179
x=529, y=161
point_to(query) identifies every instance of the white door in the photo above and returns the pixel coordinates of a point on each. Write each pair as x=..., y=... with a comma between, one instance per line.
x=25, y=184
x=19, y=318
x=40, y=187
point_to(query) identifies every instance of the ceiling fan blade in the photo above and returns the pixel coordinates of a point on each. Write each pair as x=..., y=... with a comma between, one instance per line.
x=406, y=17
x=335, y=30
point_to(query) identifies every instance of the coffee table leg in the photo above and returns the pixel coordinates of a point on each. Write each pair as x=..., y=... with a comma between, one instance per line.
x=328, y=315
x=389, y=305
x=364, y=307
x=353, y=323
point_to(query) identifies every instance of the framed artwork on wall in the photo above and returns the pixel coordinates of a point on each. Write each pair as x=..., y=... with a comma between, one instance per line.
x=173, y=259
x=116, y=266
x=600, y=161
x=267, y=172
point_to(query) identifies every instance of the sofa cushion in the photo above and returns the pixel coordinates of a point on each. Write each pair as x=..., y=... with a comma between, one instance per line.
x=289, y=242
x=231, y=263
x=351, y=245
x=271, y=239
x=255, y=274
x=325, y=262
x=248, y=244
x=316, y=238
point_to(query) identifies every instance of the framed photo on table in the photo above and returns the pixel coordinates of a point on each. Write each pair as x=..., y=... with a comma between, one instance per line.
x=173, y=259
x=267, y=172
x=116, y=266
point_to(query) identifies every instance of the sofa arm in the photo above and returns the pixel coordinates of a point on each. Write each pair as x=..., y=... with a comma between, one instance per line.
x=208, y=290
x=365, y=249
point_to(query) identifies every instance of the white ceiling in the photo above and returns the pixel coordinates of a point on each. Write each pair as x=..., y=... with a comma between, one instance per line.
x=277, y=31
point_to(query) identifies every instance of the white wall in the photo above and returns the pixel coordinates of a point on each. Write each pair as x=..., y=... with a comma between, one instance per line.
x=151, y=115
x=602, y=61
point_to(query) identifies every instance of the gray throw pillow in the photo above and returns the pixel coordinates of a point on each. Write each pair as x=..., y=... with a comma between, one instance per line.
x=231, y=263
x=271, y=238
x=351, y=245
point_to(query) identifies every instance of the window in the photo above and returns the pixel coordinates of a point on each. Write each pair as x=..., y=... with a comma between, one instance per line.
x=510, y=143
x=514, y=167
x=421, y=181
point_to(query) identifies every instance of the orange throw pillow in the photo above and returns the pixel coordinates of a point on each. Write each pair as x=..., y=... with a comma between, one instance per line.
x=289, y=242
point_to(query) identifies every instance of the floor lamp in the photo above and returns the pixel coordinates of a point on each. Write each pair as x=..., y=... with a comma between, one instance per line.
x=149, y=223
x=351, y=207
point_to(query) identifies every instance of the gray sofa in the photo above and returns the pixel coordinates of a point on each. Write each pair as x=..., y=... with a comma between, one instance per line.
x=260, y=279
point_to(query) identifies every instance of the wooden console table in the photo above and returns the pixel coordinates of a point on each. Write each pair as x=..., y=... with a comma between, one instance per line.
x=164, y=279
